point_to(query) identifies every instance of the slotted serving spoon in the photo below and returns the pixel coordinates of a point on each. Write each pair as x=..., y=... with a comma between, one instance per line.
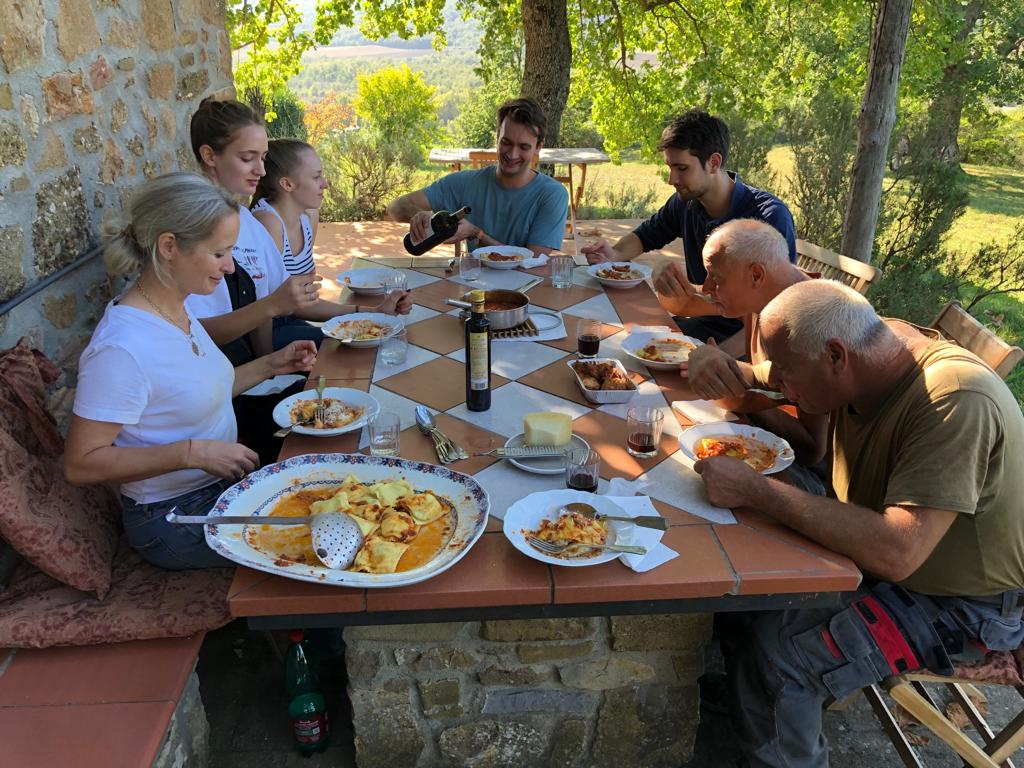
x=336, y=537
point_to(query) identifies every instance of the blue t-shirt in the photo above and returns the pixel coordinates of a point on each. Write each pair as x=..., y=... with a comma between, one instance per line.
x=690, y=221
x=530, y=215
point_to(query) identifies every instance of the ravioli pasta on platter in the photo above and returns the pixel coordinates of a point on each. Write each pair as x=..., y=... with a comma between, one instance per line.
x=402, y=528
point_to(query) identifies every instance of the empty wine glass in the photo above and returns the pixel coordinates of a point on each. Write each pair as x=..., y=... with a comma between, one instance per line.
x=396, y=280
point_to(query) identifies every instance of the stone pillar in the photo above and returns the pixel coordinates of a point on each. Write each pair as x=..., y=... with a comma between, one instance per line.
x=586, y=692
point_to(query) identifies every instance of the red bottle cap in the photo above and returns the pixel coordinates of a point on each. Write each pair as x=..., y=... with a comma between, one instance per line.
x=296, y=635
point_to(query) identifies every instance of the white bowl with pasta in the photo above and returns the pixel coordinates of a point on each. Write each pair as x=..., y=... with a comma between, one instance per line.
x=362, y=329
x=763, y=451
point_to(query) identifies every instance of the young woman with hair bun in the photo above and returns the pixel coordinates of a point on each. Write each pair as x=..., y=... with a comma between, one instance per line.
x=152, y=409
x=230, y=142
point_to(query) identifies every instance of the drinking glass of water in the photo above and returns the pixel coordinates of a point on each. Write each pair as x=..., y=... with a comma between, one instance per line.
x=394, y=348
x=469, y=267
x=561, y=271
x=385, y=430
x=396, y=280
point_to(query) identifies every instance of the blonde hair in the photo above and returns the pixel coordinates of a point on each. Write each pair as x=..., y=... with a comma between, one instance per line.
x=749, y=241
x=185, y=205
x=815, y=312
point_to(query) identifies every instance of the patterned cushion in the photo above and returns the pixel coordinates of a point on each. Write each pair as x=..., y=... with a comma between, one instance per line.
x=144, y=602
x=997, y=668
x=66, y=531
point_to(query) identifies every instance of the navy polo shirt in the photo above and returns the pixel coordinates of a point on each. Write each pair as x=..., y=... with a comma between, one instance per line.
x=690, y=221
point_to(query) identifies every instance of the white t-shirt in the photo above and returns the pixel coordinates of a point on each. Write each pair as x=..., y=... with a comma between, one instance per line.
x=256, y=252
x=139, y=371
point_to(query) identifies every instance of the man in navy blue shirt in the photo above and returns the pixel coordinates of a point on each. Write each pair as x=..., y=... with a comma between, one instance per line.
x=695, y=146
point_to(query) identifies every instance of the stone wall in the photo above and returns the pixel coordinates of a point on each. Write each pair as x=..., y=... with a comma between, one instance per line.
x=95, y=98
x=558, y=693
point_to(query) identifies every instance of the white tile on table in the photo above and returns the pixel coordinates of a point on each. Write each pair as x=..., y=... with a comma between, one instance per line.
x=492, y=279
x=419, y=279
x=418, y=313
x=597, y=307
x=389, y=401
x=416, y=356
x=648, y=396
x=506, y=484
x=581, y=277
x=510, y=403
x=674, y=482
x=515, y=360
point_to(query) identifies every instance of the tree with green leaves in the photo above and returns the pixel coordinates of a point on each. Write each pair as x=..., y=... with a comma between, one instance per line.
x=400, y=108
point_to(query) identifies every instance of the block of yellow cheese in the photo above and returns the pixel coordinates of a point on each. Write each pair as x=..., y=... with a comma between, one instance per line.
x=546, y=428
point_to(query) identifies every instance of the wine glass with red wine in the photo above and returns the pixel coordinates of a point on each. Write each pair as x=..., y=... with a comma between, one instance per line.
x=582, y=470
x=588, y=337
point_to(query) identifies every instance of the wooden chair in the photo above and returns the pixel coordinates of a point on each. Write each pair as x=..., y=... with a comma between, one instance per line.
x=910, y=693
x=956, y=324
x=835, y=266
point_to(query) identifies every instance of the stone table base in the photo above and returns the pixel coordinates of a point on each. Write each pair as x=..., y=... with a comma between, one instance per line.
x=543, y=692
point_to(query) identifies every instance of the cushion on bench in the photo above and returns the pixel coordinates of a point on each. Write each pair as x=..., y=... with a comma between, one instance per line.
x=37, y=611
x=997, y=668
x=67, y=531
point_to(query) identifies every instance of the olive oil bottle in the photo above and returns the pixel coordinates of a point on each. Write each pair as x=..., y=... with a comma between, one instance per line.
x=478, y=356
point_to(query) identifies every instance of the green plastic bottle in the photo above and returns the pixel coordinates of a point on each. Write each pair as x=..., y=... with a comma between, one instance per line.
x=307, y=706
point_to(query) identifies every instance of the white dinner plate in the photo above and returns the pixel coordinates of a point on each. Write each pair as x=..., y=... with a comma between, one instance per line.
x=367, y=282
x=352, y=397
x=336, y=330
x=594, y=271
x=543, y=465
x=784, y=453
x=637, y=341
x=504, y=250
x=527, y=513
x=259, y=492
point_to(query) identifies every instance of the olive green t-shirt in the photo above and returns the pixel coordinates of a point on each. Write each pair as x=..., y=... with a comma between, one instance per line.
x=951, y=437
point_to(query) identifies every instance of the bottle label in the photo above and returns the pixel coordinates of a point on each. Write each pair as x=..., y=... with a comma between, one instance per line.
x=310, y=729
x=479, y=376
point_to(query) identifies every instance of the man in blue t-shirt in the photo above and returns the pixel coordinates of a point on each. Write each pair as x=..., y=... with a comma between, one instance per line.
x=511, y=203
x=695, y=146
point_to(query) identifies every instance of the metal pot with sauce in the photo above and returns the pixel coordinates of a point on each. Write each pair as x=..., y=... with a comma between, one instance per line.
x=503, y=308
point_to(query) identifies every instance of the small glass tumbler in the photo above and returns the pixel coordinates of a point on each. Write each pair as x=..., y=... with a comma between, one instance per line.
x=394, y=348
x=384, y=434
x=588, y=337
x=643, y=431
x=582, y=469
x=561, y=271
x=469, y=267
x=396, y=280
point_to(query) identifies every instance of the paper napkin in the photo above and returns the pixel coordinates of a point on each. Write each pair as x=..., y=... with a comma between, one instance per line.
x=537, y=261
x=703, y=411
x=621, y=492
x=274, y=385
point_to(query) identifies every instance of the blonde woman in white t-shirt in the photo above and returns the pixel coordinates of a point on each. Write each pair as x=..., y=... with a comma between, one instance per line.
x=152, y=410
x=230, y=143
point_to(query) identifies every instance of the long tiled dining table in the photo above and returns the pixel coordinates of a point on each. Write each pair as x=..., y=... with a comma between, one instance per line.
x=752, y=564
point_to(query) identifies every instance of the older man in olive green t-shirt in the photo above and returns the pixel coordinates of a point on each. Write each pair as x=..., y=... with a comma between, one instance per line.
x=929, y=503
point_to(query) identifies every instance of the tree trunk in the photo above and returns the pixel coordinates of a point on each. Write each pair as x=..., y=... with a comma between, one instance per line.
x=948, y=102
x=874, y=127
x=548, y=60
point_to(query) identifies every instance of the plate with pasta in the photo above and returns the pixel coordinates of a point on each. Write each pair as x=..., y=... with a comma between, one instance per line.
x=345, y=410
x=362, y=329
x=417, y=519
x=761, y=450
x=659, y=351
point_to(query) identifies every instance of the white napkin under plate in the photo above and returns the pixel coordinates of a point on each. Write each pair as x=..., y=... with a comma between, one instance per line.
x=650, y=538
x=274, y=385
x=703, y=411
x=653, y=329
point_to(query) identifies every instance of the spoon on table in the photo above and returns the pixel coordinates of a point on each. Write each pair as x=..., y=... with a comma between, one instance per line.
x=644, y=521
x=336, y=537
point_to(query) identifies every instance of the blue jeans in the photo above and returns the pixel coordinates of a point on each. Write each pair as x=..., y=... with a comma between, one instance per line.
x=783, y=665
x=289, y=329
x=174, y=546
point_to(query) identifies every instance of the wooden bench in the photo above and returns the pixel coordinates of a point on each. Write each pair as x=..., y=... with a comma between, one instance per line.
x=956, y=324
x=835, y=266
x=100, y=706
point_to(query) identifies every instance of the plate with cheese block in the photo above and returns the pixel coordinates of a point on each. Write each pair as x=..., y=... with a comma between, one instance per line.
x=619, y=274
x=416, y=519
x=541, y=515
x=763, y=451
x=660, y=350
x=549, y=429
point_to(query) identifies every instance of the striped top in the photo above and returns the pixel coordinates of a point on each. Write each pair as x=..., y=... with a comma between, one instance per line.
x=296, y=263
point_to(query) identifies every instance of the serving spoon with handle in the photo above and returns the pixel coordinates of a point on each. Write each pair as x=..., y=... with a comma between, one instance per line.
x=644, y=521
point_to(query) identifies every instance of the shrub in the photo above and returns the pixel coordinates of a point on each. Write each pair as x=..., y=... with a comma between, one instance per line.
x=626, y=202
x=365, y=172
x=282, y=111
x=401, y=108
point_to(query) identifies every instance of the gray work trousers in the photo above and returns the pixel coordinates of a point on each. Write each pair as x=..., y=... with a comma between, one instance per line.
x=783, y=665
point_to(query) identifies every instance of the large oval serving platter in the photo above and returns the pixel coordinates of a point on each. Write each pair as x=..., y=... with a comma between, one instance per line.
x=259, y=492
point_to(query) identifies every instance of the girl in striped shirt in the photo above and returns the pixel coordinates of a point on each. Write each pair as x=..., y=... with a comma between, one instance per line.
x=287, y=201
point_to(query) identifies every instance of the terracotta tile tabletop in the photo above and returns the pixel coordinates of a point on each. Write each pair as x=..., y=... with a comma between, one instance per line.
x=716, y=563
